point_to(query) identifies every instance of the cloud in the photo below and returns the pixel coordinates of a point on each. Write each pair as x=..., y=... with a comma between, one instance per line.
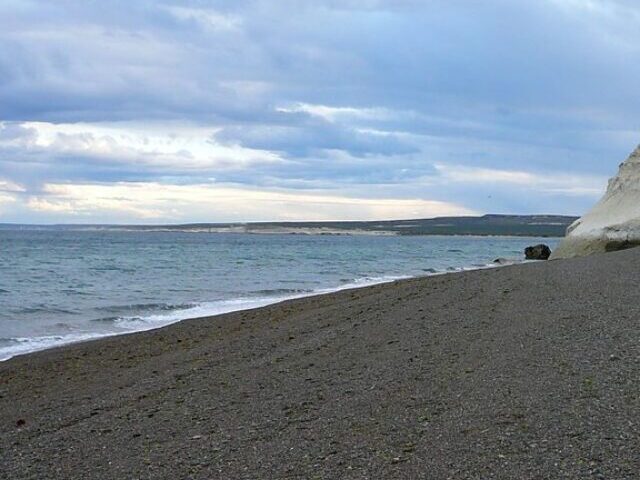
x=331, y=114
x=7, y=186
x=305, y=138
x=152, y=202
x=177, y=148
x=567, y=184
x=9, y=192
x=454, y=102
x=206, y=18
x=5, y=200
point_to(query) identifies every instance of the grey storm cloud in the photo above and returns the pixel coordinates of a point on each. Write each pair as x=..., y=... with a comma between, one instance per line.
x=534, y=84
x=79, y=61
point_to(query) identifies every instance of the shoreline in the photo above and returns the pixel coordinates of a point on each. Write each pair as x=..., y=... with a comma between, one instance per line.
x=55, y=341
x=521, y=372
x=260, y=303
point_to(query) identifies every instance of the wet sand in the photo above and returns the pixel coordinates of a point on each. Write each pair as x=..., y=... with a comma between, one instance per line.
x=527, y=372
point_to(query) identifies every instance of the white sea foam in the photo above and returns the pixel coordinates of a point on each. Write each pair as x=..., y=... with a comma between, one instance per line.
x=21, y=345
x=208, y=309
x=11, y=347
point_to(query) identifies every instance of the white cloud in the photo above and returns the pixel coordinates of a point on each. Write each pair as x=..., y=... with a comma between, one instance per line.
x=155, y=202
x=8, y=191
x=171, y=147
x=332, y=114
x=5, y=200
x=10, y=187
x=557, y=183
x=208, y=18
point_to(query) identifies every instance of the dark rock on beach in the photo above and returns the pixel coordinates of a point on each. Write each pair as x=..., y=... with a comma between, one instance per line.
x=537, y=252
x=456, y=376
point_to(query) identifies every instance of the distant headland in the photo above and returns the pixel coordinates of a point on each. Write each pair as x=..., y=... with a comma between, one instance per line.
x=491, y=224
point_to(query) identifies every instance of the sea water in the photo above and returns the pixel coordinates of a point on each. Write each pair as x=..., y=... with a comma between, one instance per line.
x=63, y=286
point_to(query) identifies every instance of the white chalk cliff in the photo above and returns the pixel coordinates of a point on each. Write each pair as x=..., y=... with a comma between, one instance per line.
x=614, y=222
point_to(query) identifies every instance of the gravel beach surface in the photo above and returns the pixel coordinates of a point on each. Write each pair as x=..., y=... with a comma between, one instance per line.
x=522, y=372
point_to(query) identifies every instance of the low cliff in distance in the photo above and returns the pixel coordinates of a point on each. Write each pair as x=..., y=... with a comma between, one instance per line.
x=516, y=225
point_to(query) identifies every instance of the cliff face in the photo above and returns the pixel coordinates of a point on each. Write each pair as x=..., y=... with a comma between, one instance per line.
x=614, y=222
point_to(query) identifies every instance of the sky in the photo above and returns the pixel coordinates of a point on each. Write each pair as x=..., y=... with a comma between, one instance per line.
x=166, y=111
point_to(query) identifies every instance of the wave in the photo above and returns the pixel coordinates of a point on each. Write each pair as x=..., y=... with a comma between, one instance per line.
x=166, y=314
x=144, y=306
x=64, y=326
x=43, y=309
x=366, y=281
x=106, y=319
x=10, y=347
x=73, y=291
x=281, y=291
x=112, y=268
x=219, y=307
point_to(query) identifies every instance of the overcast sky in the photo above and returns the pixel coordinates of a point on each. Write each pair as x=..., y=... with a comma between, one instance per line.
x=148, y=111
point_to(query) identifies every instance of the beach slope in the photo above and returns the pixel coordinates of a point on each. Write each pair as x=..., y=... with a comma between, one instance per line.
x=525, y=372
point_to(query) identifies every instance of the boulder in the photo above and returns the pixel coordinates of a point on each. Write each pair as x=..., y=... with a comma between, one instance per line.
x=537, y=252
x=614, y=222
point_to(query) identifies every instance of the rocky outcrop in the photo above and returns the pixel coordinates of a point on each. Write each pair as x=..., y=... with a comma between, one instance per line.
x=537, y=252
x=614, y=222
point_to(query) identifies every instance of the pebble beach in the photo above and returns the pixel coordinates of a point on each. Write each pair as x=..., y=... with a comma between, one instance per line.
x=528, y=371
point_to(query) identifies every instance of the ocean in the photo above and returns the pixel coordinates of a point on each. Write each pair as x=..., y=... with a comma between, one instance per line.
x=64, y=286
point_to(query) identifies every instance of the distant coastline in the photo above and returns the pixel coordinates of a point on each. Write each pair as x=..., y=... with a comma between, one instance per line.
x=486, y=225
